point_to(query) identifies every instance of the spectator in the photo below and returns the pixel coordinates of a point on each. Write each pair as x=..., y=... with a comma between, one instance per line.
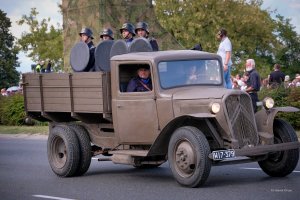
x=42, y=64
x=225, y=49
x=3, y=92
x=38, y=67
x=244, y=79
x=49, y=66
x=235, y=85
x=297, y=80
x=287, y=81
x=253, y=83
x=276, y=77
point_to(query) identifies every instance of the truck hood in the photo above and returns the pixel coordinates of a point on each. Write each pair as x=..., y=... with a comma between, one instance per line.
x=196, y=101
x=199, y=93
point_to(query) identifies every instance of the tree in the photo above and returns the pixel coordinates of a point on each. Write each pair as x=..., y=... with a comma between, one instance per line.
x=8, y=54
x=43, y=41
x=252, y=30
x=288, y=54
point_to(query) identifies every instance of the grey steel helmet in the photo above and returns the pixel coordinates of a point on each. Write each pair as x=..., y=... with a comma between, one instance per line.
x=142, y=25
x=107, y=31
x=87, y=31
x=129, y=27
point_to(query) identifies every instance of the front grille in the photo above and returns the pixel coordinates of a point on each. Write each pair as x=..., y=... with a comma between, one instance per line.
x=241, y=118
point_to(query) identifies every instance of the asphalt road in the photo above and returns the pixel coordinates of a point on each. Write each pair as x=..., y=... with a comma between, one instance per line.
x=26, y=174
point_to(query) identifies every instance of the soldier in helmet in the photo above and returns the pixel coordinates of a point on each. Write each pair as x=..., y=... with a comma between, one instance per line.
x=107, y=34
x=142, y=30
x=128, y=33
x=86, y=36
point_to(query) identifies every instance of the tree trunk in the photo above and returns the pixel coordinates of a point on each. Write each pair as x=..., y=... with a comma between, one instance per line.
x=97, y=14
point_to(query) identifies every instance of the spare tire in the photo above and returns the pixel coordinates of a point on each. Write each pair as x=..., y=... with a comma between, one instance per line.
x=118, y=48
x=102, y=56
x=140, y=45
x=79, y=57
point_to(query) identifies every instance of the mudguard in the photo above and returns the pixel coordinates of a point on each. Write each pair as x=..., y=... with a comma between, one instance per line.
x=264, y=118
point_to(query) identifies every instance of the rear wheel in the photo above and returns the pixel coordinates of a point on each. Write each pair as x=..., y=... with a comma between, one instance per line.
x=188, y=156
x=281, y=163
x=63, y=151
x=85, y=149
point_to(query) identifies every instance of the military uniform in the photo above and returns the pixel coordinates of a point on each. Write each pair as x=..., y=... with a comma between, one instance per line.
x=130, y=28
x=139, y=85
x=91, y=64
x=152, y=41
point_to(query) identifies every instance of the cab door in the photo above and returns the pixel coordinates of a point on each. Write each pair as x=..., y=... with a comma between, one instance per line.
x=135, y=116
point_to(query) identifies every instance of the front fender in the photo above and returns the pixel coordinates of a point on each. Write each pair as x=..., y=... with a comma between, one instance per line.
x=265, y=118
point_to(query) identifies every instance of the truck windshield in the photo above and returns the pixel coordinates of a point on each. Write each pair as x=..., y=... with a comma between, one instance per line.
x=189, y=72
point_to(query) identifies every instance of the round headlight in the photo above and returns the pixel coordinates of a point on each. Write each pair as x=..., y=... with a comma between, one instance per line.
x=268, y=103
x=215, y=108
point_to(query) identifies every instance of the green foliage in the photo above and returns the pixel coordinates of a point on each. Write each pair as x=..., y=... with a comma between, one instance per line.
x=285, y=97
x=8, y=54
x=43, y=41
x=12, y=110
x=252, y=31
x=288, y=55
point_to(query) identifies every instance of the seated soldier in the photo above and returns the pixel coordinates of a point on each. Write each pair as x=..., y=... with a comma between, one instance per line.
x=141, y=83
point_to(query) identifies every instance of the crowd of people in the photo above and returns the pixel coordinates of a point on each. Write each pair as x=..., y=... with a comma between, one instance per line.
x=250, y=81
x=240, y=82
x=42, y=67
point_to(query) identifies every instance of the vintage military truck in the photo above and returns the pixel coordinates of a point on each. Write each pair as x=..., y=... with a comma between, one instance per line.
x=188, y=119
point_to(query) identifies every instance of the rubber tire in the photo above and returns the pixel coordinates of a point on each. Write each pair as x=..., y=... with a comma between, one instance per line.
x=200, y=147
x=85, y=149
x=281, y=163
x=65, y=163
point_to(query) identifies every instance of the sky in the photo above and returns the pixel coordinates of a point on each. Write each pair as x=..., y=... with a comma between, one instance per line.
x=49, y=8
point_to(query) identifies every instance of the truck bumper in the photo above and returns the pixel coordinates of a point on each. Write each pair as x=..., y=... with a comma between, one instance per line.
x=264, y=149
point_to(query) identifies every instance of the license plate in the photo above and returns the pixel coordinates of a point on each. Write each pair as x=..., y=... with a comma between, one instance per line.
x=223, y=154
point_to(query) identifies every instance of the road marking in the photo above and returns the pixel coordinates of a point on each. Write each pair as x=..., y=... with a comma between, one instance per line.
x=50, y=197
x=260, y=169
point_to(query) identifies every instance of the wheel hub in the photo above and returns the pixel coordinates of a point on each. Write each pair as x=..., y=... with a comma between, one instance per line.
x=185, y=158
x=59, y=153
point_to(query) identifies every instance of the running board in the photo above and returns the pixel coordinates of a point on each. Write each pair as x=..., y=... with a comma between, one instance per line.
x=138, y=153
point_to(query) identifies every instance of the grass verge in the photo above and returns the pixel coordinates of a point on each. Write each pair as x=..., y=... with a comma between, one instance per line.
x=24, y=130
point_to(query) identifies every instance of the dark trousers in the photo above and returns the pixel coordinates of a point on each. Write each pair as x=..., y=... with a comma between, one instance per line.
x=254, y=99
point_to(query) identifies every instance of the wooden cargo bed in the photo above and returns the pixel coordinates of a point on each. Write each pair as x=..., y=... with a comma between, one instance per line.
x=69, y=96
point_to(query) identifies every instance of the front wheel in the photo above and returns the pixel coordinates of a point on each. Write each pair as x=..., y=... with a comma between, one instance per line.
x=188, y=156
x=281, y=163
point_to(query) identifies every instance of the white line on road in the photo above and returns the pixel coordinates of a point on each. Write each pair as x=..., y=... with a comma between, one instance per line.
x=260, y=169
x=50, y=197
